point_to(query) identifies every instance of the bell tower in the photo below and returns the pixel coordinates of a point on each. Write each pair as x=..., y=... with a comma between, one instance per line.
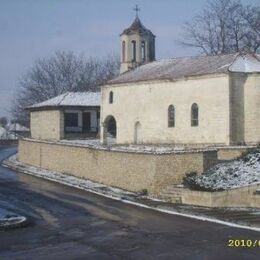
x=137, y=45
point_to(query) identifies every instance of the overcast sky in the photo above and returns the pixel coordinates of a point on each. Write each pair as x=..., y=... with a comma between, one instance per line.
x=38, y=28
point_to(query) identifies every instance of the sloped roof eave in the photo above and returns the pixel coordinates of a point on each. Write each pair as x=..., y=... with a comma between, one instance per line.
x=188, y=77
x=60, y=107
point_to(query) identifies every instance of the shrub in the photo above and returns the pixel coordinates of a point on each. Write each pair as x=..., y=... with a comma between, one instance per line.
x=189, y=179
x=143, y=192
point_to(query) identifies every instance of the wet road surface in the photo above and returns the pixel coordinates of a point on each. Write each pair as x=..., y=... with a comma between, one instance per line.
x=67, y=223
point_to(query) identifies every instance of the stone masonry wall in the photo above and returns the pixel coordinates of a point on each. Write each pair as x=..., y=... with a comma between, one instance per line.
x=239, y=197
x=47, y=124
x=130, y=171
x=251, y=107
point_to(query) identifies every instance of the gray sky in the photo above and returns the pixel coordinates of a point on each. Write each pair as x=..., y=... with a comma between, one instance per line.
x=38, y=28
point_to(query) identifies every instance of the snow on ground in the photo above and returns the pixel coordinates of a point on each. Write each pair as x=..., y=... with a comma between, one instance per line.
x=70, y=180
x=137, y=148
x=4, y=134
x=234, y=174
x=9, y=219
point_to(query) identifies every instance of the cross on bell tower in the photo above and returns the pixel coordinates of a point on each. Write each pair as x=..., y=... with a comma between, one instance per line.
x=136, y=9
x=137, y=45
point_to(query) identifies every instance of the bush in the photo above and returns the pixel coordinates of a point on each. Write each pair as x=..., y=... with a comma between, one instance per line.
x=190, y=181
x=245, y=156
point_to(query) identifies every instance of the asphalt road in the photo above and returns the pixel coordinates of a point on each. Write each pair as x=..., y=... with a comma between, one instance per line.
x=67, y=223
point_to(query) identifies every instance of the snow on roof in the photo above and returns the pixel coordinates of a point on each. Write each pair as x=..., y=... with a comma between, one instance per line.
x=176, y=68
x=246, y=63
x=72, y=99
x=17, y=127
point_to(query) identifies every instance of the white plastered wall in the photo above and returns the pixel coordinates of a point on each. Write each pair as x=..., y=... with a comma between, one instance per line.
x=148, y=103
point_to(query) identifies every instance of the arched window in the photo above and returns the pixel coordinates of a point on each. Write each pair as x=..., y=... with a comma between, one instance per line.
x=133, y=50
x=143, y=51
x=111, y=97
x=123, y=51
x=194, y=115
x=171, y=116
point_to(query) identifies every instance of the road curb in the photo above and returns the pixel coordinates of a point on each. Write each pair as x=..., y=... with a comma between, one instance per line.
x=9, y=164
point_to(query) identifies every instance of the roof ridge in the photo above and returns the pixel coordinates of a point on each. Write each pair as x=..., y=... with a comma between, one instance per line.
x=64, y=96
x=198, y=56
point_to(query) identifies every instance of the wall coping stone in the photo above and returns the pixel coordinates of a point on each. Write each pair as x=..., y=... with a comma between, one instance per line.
x=114, y=148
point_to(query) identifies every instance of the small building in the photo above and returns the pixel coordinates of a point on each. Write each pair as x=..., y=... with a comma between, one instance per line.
x=3, y=133
x=16, y=130
x=70, y=115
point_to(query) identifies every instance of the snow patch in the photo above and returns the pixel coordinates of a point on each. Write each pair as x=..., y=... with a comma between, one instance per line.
x=136, y=148
x=10, y=219
x=245, y=63
x=68, y=179
x=234, y=174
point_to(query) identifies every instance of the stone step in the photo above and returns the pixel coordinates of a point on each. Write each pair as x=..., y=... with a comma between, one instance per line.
x=171, y=193
x=170, y=199
x=171, y=188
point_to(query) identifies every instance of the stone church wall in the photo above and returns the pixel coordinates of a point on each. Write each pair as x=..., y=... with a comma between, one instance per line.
x=245, y=112
x=126, y=170
x=147, y=103
x=252, y=109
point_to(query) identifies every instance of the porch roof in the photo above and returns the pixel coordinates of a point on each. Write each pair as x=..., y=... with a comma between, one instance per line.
x=70, y=99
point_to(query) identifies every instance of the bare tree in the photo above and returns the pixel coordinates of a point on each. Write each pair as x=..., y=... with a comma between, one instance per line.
x=56, y=75
x=3, y=121
x=224, y=26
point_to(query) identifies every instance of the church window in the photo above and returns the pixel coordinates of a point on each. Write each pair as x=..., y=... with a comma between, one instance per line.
x=171, y=116
x=111, y=97
x=123, y=51
x=143, y=51
x=194, y=115
x=133, y=50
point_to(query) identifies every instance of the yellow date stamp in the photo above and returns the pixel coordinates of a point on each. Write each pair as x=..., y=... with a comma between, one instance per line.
x=249, y=243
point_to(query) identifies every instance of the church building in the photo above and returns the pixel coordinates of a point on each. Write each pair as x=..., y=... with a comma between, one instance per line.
x=205, y=100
